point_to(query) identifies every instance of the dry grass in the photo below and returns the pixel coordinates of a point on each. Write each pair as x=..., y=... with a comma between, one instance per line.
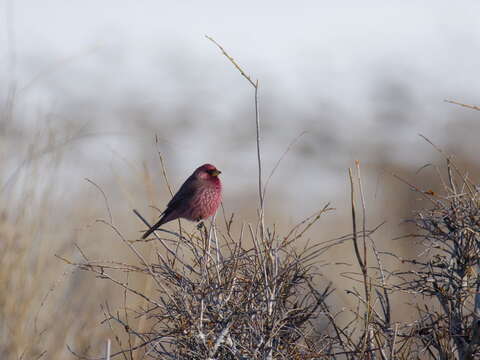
x=40, y=298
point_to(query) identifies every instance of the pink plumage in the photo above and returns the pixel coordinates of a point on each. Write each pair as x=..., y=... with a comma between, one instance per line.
x=198, y=198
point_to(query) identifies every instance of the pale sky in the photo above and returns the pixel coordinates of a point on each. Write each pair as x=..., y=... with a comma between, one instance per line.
x=314, y=59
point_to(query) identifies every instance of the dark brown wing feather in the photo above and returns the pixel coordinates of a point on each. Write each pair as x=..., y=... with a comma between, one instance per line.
x=177, y=205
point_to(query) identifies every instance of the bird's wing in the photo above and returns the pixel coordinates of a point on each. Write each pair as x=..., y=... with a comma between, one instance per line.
x=179, y=201
x=184, y=194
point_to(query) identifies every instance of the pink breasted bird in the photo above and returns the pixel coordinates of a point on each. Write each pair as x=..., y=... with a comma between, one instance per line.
x=197, y=199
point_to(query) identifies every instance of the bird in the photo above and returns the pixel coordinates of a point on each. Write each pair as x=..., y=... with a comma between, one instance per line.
x=197, y=199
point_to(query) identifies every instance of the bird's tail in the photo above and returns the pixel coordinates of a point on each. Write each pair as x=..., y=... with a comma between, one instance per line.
x=154, y=227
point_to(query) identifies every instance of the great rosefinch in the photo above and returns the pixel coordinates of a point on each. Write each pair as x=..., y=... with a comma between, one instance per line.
x=197, y=199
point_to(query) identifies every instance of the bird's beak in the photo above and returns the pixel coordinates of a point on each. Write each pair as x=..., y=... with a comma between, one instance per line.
x=215, y=172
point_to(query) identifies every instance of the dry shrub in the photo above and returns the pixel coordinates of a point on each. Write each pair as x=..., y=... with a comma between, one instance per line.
x=446, y=274
x=251, y=297
x=443, y=280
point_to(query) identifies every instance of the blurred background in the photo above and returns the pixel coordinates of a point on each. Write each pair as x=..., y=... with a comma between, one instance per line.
x=96, y=90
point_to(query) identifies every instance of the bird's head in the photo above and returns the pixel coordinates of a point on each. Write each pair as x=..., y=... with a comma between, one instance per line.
x=207, y=172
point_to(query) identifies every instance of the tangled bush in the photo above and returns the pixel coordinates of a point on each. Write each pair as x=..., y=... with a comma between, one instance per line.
x=447, y=272
x=253, y=298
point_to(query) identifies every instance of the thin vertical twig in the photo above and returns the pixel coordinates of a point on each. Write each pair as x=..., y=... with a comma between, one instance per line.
x=354, y=219
x=167, y=183
x=259, y=160
x=107, y=350
x=361, y=261
x=162, y=164
x=364, y=213
x=212, y=235
x=257, y=125
x=368, y=337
